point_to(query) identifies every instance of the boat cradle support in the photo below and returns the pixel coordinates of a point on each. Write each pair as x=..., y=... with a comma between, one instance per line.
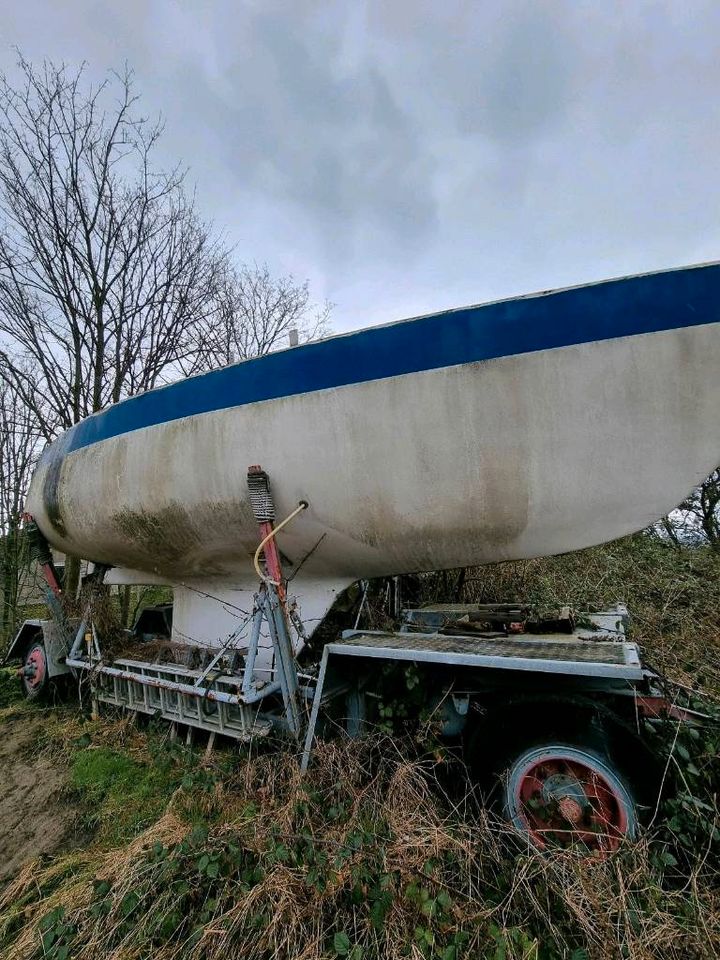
x=219, y=697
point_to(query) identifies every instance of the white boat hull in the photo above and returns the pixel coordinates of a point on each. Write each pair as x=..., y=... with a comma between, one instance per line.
x=510, y=457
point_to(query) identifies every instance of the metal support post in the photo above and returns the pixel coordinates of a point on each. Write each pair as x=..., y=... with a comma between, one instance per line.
x=284, y=658
x=310, y=735
x=273, y=598
x=258, y=614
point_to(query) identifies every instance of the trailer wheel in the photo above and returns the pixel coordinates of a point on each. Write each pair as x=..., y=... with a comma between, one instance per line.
x=561, y=795
x=34, y=672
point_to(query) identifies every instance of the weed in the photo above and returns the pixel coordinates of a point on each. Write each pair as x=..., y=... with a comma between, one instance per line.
x=10, y=690
x=365, y=858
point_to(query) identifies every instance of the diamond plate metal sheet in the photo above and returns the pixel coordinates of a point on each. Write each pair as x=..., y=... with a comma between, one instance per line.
x=557, y=647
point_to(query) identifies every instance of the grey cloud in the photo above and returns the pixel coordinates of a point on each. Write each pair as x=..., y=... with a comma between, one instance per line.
x=418, y=155
x=333, y=142
x=525, y=82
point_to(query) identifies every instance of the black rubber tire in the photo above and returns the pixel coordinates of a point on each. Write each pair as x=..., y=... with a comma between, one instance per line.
x=36, y=691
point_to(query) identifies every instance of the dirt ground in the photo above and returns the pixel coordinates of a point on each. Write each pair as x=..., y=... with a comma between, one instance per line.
x=34, y=819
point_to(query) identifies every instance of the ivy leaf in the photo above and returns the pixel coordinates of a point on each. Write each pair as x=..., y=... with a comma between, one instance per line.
x=341, y=943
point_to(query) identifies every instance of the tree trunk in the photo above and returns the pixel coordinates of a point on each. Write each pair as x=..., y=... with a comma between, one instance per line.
x=11, y=570
x=124, y=596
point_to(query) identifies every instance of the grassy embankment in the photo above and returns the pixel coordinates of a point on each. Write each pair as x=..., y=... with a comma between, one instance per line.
x=366, y=857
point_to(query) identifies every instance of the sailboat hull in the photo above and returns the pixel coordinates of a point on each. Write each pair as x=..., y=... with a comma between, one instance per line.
x=556, y=444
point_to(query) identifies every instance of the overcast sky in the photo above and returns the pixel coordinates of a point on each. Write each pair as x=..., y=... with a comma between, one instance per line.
x=408, y=155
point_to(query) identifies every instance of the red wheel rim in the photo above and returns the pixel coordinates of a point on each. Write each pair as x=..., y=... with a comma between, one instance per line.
x=35, y=668
x=564, y=801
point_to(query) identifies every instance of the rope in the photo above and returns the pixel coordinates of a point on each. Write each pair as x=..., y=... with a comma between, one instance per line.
x=303, y=505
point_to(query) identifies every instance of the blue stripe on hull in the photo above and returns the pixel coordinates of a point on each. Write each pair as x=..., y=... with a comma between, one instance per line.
x=616, y=308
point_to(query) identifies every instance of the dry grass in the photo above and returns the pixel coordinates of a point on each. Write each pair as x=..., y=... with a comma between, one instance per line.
x=368, y=857
x=365, y=852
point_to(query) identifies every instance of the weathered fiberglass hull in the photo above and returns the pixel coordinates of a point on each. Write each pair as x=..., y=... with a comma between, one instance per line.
x=522, y=428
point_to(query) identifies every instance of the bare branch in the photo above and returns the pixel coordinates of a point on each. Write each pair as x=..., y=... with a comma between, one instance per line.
x=255, y=314
x=106, y=272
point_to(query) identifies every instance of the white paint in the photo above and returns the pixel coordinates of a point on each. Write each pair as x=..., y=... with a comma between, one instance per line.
x=518, y=457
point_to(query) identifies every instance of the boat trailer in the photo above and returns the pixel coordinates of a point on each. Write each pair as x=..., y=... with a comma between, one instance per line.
x=475, y=658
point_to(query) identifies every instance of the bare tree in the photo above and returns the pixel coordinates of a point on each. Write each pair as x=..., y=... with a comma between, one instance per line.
x=256, y=312
x=19, y=446
x=105, y=268
x=697, y=519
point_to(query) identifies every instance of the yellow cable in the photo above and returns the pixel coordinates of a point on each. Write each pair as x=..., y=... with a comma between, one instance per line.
x=256, y=559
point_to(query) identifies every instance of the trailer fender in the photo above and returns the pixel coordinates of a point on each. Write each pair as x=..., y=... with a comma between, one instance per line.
x=29, y=632
x=593, y=723
x=47, y=633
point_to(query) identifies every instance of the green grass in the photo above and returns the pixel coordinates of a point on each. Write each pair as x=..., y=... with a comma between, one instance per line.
x=122, y=778
x=364, y=858
x=10, y=691
x=118, y=795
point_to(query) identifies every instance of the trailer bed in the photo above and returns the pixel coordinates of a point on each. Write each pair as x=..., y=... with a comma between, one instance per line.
x=553, y=653
x=559, y=654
